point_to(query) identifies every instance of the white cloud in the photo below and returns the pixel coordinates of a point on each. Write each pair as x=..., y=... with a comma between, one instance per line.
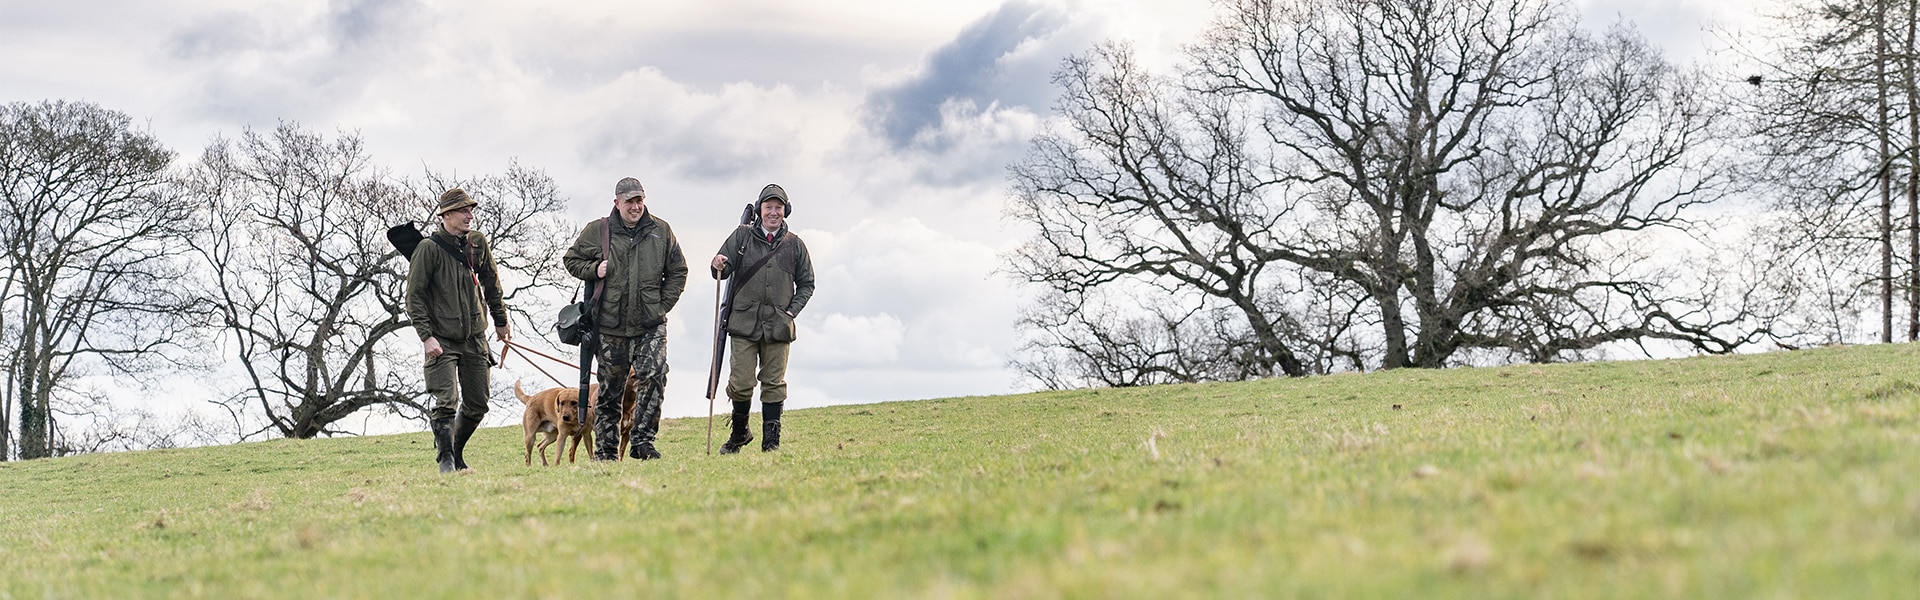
x=853, y=341
x=953, y=312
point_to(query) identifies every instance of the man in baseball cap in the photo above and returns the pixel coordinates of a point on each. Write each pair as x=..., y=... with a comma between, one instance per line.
x=635, y=255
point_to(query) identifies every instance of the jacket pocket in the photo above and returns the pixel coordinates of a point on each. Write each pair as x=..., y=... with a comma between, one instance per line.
x=650, y=309
x=784, y=329
x=448, y=327
x=741, y=320
x=612, y=301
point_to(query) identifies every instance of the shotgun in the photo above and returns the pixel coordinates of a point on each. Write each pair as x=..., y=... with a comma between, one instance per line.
x=589, y=345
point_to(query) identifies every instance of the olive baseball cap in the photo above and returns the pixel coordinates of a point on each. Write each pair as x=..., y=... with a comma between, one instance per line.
x=628, y=188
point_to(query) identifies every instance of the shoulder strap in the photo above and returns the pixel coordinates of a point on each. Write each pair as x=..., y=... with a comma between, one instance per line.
x=465, y=258
x=748, y=273
x=606, y=255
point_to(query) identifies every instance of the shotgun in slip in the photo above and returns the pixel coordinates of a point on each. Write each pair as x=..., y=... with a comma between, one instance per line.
x=722, y=304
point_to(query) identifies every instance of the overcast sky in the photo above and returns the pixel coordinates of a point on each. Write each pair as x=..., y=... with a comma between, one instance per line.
x=889, y=123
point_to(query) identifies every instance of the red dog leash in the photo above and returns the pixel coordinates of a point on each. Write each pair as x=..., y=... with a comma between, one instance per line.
x=524, y=351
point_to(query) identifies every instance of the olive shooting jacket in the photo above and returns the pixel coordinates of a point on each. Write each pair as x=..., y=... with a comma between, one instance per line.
x=765, y=305
x=450, y=295
x=646, y=272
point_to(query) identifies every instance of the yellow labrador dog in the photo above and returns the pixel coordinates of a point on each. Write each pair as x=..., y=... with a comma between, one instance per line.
x=555, y=412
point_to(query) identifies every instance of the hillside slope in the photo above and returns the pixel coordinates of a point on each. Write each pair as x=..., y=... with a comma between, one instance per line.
x=1783, y=474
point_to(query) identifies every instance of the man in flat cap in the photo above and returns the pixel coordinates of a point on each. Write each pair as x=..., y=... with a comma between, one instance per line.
x=634, y=254
x=773, y=279
x=452, y=288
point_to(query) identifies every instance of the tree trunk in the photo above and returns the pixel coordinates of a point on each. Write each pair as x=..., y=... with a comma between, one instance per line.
x=34, y=414
x=1912, y=93
x=9, y=389
x=1884, y=173
x=6, y=428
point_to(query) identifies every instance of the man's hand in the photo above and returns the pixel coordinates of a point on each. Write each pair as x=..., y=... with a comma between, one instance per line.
x=503, y=334
x=719, y=262
x=603, y=270
x=433, y=348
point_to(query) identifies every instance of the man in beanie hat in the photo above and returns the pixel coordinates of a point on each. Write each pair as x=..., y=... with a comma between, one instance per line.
x=634, y=253
x=452, y=288
x=760, y=326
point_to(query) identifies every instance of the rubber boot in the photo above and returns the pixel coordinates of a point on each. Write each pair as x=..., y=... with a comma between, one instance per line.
x=442, y=442
x=643, y=451
x=770, y=426
x=646, y=427
x=463, y=429
x=740, y=437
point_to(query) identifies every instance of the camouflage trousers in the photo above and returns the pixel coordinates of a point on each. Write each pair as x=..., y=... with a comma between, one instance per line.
x=645, y=356
x=458, y=377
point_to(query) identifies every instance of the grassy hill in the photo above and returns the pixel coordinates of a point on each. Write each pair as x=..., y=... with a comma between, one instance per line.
x=1777, y=475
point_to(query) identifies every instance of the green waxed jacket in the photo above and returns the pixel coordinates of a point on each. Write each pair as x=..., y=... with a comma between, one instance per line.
x=764, y=306
x=645, y=274
x=445, y=296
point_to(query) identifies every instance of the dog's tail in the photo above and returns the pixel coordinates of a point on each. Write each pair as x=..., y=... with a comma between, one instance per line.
x=519, y=394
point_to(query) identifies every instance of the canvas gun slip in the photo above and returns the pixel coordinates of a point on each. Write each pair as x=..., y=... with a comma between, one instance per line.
x=722, y=304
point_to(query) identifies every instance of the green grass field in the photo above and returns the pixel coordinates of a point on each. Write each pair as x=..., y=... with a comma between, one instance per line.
x=1784, y=475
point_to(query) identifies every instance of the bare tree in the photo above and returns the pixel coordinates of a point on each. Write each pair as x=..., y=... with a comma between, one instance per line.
x=94, y=247
x=1154, y=191
x=1828, y=114
x=1456, y=176
x=309, y=291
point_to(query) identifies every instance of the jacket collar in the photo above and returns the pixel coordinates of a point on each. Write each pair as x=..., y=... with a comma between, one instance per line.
x=441, y=232
x=761, y=234
x=620, y=225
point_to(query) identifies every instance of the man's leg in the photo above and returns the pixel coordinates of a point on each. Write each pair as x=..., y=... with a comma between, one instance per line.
x=441, y=374
x=650, y=368
x=614, y=356
x=474, y=363
x=773, y=393
x=740, y=380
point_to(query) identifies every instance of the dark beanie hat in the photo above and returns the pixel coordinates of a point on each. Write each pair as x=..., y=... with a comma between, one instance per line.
x=773, y=191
